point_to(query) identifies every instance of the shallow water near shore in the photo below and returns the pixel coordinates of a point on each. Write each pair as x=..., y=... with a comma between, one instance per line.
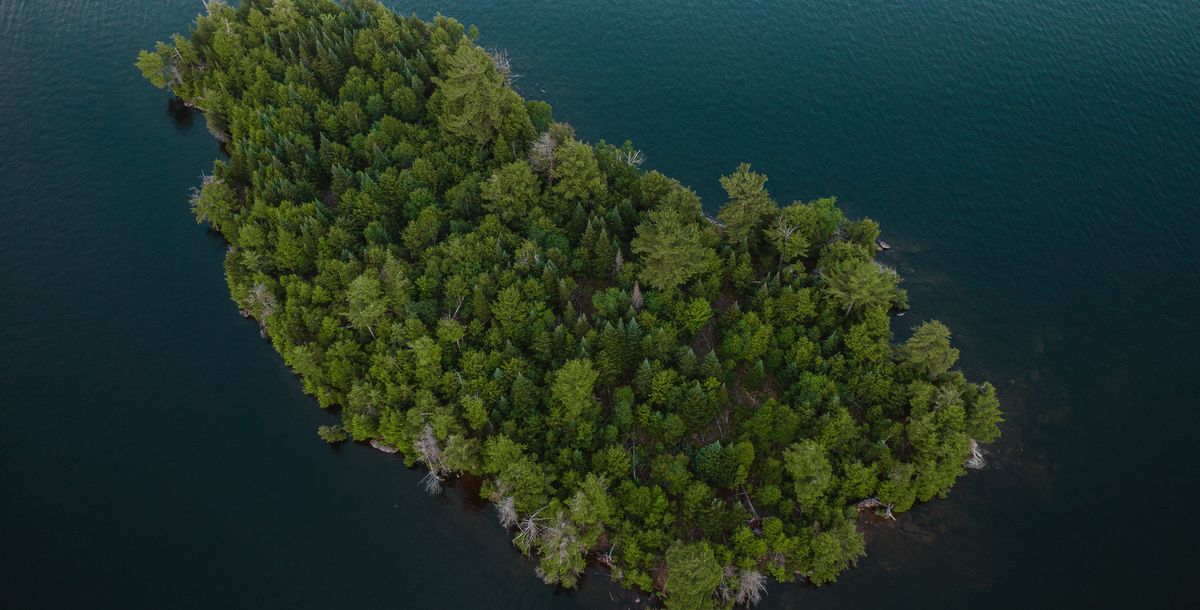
x=1035, y=166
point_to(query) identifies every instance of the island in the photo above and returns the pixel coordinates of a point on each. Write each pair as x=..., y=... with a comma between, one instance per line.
x=698, y=403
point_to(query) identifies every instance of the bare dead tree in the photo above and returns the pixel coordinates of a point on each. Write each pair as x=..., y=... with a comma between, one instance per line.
x=529, y=531
x=637, y=297
x=209, y=4
x=752, y=586
x=724, y=591
x=260, y=304
x=176, y=76
x=618, y=262
x=429, y=453
x=875, y=504
x=428, y=450
x=503, y=65
x=976, y=460
x=749, y=504
x=194, y=197
x=431, y=483
x=633, y=158
x=507, y=510
x=524, y=258
x=541, y=155
x=606, y=559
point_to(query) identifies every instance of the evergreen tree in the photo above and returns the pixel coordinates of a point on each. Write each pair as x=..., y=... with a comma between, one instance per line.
x=692, y=576
x=476, y=102
x=671, y=249
x=748, y=208
x=855, y=284
x=511, y=191
x=928, y=350
x=365, y=306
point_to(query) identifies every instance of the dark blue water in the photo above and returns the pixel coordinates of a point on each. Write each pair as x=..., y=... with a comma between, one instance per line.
x=1035, y=163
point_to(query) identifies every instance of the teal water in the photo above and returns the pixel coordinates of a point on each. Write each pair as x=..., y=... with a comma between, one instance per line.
x=1035, y=163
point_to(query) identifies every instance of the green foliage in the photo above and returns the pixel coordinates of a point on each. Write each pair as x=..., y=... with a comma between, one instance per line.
x=697, y=314
x=576, y=173
x=810, y=471
x=467, y=282
x=364, y=303
x=749, y=206
x=476, y=103
x=790, y=232
x=855, y=284
x=928, y=350
x=157, y=66
x=573, y=403
x=983, y=415
x=511, y=191
x=671, y=249
x=332, y=434
x=692, y=576
x=833, y=551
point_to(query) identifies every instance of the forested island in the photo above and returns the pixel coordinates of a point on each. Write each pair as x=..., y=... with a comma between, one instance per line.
x=697, y=403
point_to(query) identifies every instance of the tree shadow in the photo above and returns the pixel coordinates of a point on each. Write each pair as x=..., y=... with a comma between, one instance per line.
x=182, y=115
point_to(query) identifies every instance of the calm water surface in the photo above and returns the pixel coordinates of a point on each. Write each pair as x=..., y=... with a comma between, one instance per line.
x=1035, y=163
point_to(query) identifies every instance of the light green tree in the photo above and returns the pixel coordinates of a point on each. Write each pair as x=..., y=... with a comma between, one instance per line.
x=855, y=284
x=790, y=230
x=692, y=576
x=835, y=550
x=697, y=314
x=983, y=415
x=157, y=65
x=365, y=305
x=576, y=173
x=572, y=389
x=672, y=250
x=510, y=191
x=450, y=330
x=591, y=507
x=810, y=471
x=476, y=103
x=748, y=208
x=928, y=350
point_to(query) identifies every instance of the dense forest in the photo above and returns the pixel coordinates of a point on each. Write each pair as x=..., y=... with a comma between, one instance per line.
x=697, y=403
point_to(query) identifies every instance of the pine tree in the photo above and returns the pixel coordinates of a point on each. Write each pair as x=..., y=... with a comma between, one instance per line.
x=476, y=103
x=748, y=208
x=671, y=249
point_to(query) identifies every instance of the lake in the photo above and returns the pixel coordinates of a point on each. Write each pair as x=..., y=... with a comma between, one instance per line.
x=1035, y=164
